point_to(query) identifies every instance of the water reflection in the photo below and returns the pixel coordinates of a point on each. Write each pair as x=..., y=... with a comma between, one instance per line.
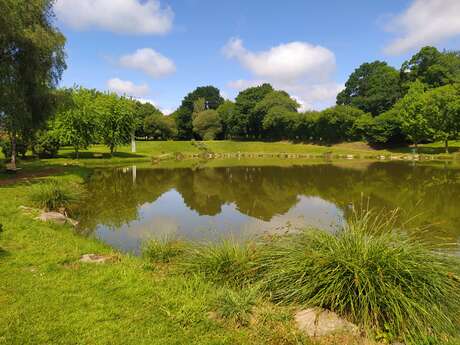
x=126, y=206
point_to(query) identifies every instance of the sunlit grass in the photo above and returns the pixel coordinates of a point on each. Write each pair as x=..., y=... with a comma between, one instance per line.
x=54, y=195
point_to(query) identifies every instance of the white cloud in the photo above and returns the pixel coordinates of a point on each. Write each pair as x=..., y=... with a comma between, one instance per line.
x=425, y=22
x=127, y=88
x=120, y=16
x=285, y=62
x=150, y=62
x=302, y=69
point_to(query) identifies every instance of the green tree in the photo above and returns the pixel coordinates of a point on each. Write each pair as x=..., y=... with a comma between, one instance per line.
x=372, y=87
x=245, y=120
x=431, y=67
x=116, y=120
x=76, y=119
x=337, y=123
x=160, y=127
x=184, y=115
x=412, y=111
x=280, y=122
x=141, y=112
x=225, y=112
x=207, y=124
x=443, y=113
x=32, y=60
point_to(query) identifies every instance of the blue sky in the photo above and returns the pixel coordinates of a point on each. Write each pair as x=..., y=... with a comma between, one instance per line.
x=159, y=50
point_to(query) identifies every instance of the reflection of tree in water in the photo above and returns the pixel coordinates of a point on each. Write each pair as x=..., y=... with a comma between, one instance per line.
x=431, y=191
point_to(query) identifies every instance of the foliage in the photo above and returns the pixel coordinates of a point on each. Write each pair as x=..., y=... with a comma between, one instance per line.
x=336, y=124
x=384, y=129
x=377, y=278
x=77, y=119
x=31, y=64
x=159, y=127
x=236, y=306
x=207, y=124
x=5, y=146
x=372, y=87
x=46, y=144
x=141, y=112
x=163, y=250
x=245, y=120
x=431, y=67
x=412, y=111
x=443, y=112
x=279, y=122
x=225, y=113
x=116, y=122
x=226, y=261
x=53, y=195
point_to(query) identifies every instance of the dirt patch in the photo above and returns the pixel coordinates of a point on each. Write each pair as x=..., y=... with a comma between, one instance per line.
x=22, y=176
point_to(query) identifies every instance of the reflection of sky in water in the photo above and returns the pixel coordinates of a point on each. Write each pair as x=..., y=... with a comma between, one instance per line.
x=170, y=216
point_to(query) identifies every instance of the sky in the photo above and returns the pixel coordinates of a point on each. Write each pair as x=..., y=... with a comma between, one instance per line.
x=160, y=50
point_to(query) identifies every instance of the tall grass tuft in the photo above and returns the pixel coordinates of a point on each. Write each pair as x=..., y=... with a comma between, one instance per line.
x=163, y=250
x=394, y=287
x=54, y=195
x=236, y=305
x=227, y=261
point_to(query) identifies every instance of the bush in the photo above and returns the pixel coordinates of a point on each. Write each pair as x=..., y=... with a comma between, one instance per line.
x=227, y=261
x=163, y=250
x=21, y=148
x=47, y=145
x=236, y=306
x=53, y=195
x=386, y=282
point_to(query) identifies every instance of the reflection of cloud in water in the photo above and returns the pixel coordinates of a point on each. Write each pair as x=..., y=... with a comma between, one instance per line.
x=169, y=216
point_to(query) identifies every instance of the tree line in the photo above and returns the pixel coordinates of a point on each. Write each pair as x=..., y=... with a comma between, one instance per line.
x=418, y=103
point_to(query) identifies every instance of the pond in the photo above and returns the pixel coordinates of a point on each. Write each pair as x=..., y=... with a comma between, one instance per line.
x=126, y=206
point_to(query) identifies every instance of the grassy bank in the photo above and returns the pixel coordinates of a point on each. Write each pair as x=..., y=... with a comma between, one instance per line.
x=213, y=294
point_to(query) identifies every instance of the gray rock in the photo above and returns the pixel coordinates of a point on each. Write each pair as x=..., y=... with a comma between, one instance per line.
x=95, y=258
x=317, y=322
x=56, y=217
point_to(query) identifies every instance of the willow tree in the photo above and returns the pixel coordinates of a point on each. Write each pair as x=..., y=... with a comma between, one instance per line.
x=32, y=60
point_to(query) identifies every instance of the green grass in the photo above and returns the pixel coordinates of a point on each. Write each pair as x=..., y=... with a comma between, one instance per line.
x=54, y=195
x=163, y=250
x=394, y=287
x=237, y=306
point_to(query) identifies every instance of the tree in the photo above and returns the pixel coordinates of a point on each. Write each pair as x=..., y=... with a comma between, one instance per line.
x=32, y=60
x=245, y=120
x=160, y=127
x=431, y=67
x=336, y=124
x=279, y=123
x=443, y=113
x=141, y=112
x=76, y=119
x=116, y=120
x=412, y=112
x=207, y=124
x=372, y=87
x=184, y=115
x=225, y=113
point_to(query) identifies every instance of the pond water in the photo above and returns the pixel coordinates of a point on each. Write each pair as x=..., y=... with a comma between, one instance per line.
x=126, y=206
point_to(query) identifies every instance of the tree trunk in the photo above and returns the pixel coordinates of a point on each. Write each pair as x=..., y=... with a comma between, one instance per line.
x=446, y=143
x=111, y=150
x=133, y=143
x=13, y=151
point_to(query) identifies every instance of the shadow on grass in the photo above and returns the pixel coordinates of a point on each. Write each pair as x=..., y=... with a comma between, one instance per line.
x=97, y=155
x=426, y=150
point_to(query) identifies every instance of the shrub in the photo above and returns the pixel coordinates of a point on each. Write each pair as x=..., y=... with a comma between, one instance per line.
x=384, y=281
x=53, y=195
x=236, y=306
x=163, y=250
x=5, y=145
x=226, y=261
x=47, y=145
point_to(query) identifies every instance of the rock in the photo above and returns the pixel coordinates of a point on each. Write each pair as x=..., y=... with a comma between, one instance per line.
x=95, y=258
x=56, y=217
x=317, y=322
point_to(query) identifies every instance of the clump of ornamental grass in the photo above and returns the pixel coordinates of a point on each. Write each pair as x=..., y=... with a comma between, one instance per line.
x=393, y=286
x=163, y=250
x=54, y=195
x=227, y=261
x=237, y=306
